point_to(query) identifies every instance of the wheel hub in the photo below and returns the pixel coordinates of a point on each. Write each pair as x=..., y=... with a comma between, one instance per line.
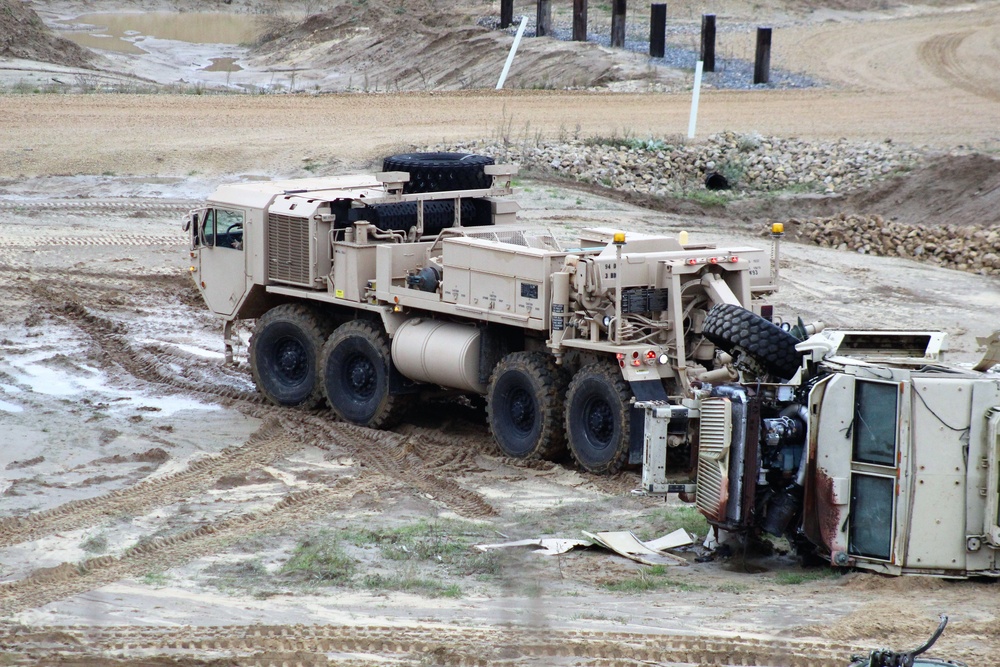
x=522, y=410
x=291, y=360
x=361, y=377
x=600, y=422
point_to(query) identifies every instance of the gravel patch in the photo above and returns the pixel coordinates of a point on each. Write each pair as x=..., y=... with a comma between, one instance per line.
x=751, y=164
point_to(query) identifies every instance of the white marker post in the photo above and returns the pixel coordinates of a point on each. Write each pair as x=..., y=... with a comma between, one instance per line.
x=513, y=50
x=694, y=99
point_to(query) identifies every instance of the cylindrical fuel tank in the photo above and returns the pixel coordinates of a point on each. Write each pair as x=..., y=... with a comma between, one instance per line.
x=437, y=352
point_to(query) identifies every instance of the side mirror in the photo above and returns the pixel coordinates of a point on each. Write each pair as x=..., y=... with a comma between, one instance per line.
x=189, y=221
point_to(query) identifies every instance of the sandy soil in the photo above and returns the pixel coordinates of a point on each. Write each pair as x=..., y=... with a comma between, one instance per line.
x=152, y=503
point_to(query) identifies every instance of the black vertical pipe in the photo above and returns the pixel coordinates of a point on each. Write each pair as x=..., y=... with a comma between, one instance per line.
x=708, y=42
x=762, y=61
x=506, y=13
x=618, y=12
x=579, y=20
x=543, y=21
x=657, y=30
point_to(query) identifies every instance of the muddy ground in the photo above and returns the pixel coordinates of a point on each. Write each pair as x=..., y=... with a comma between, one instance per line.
x=156, y=511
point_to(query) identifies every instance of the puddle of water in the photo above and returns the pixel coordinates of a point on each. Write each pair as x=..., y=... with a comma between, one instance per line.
x=10, y=407
x=222, y=65
x=120, y=32
x=44, y=376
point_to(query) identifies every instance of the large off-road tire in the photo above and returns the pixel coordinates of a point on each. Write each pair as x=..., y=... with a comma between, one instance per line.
x=730, y=326
x=441, y=172
x=355, y=376
x=524, y=406
x=598, y=420
x=284, y=354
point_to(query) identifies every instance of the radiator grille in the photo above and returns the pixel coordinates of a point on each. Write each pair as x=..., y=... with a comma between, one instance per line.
x=288, y=249
x=715, y=434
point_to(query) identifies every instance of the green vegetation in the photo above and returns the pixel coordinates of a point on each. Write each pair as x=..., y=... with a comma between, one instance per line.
x=706, y=197
x=428, y=587
x=156, y=579
x=320, y=559
x=444, y=542
x=652, y=578
x=629, y=142
x=796, y=578
x=96, y=544
x=732, y=170
x=669, y=519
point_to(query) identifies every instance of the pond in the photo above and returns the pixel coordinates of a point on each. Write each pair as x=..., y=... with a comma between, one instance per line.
x=125, y=32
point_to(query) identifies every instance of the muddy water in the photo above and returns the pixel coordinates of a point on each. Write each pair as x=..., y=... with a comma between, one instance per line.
x=124, y=33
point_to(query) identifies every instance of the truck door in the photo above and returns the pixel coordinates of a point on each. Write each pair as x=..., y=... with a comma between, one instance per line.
x=222, y=264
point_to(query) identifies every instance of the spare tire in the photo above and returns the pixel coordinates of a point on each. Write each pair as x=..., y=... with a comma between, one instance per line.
x=441, y=172
x=730, y=326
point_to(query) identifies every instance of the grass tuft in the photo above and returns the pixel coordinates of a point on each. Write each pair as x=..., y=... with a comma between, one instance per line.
x=320, y=559
x=653, y=578
x=420, y=586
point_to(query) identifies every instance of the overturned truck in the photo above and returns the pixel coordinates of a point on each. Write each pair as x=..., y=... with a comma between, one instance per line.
x=372, y=293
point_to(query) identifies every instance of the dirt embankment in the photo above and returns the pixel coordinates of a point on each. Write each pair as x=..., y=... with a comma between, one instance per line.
x=384, y=46
x=24, y=35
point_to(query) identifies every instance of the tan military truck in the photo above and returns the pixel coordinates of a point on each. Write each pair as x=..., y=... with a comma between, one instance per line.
x=370, y=291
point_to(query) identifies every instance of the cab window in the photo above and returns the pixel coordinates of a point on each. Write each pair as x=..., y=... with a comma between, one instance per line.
x=875, y=426
x=223, y=228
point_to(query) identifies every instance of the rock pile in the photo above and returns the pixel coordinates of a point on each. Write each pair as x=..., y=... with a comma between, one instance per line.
x=755, y=165
x=752, y=164
x=964, y=247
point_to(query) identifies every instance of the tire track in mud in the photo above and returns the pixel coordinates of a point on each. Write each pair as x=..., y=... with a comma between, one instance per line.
x=45, y=586
x=114, y=348
x=269, y=443
x=79, y=241
x=940, y=55
x=270, y=645
x=424, y=461
x=100, y=206
x=400, y=457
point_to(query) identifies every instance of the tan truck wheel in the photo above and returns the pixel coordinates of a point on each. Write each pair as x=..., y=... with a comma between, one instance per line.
x=284, y=349
x=355, y=376
x=597, y=418
x=525, y=406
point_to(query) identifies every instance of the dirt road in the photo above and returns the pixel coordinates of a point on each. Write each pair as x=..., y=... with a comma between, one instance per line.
x=175, y=135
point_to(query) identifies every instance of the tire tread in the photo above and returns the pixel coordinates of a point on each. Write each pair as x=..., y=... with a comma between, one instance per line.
x=729, y=326
x=551, y=382
x=313, y=324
